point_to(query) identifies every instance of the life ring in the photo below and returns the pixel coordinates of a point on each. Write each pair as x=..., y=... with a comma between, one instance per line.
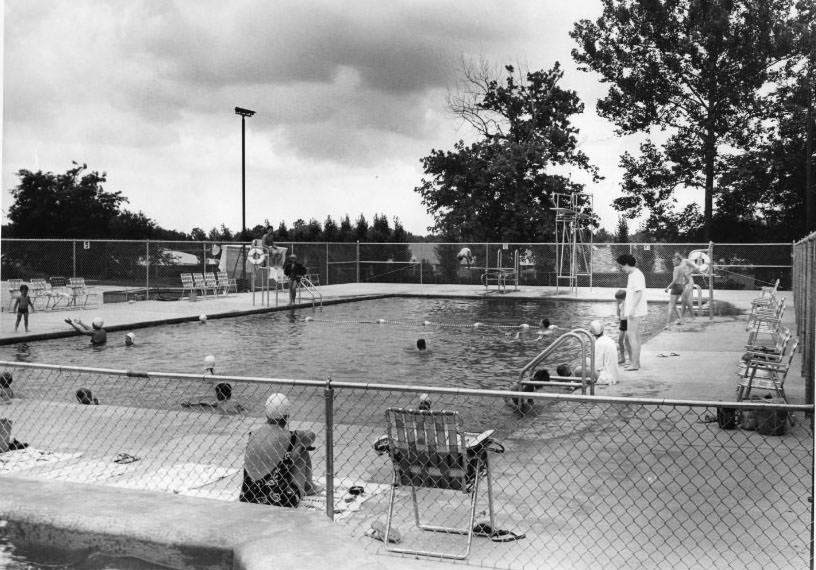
x=700, y=259
x=256, y=255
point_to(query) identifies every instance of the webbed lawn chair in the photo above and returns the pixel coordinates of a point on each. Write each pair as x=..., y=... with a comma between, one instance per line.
x=200, y=284
x=226, y=283
x=187, y=283
x=429, y=449
x=766, y=320
x=80, y=289
x=211, y=282
x=761, y=374
x=60, y=292
x=40, y=294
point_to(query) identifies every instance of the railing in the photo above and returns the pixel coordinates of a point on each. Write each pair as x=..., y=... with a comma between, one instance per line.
x=307, y=285
x=804, y=295
x=560, y=380
x=593, y=482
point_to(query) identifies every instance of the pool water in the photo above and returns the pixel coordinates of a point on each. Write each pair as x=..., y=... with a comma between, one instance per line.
x=20, y=556
x=347, y=343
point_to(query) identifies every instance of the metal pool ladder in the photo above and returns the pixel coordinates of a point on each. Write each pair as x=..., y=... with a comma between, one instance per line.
x=307, y=285
x=587, y=342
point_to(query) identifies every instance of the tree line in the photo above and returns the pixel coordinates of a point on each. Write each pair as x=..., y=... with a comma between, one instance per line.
x=76, y=205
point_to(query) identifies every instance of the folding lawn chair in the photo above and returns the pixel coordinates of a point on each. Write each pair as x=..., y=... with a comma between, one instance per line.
x=429, y=449
x=211, y=282
x=761, y=374
x=80, y=289
x=187, y=283
x=226, y=283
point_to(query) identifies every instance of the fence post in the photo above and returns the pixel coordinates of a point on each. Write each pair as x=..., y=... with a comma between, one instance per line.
x=327, y=263
x=358, y=261
x=74, y=258
x=710, y=280
x=328, y=396
x=810, y=317
x=147, y=270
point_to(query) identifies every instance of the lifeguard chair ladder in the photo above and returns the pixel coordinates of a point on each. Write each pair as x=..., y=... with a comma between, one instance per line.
x=573, y=241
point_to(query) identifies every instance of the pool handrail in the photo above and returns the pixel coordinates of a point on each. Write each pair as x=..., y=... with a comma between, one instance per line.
x=306, y=283
x=576, y=334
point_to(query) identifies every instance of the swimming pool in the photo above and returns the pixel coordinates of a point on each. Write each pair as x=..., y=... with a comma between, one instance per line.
x=347, y=342
x=16, y=555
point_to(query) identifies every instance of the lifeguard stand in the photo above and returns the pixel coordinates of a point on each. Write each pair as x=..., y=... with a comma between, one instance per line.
x=573, y=239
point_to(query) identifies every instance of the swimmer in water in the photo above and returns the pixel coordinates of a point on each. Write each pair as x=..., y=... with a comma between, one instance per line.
x=86, y=397
x=209, y=364
x=421, y=344
x=130, y=338
x=99, y=336
x=546, y=329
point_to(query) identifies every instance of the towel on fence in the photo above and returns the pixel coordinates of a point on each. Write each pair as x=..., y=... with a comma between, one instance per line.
x=28, y=458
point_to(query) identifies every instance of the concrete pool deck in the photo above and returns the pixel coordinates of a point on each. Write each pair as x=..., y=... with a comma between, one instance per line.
x=708, y=351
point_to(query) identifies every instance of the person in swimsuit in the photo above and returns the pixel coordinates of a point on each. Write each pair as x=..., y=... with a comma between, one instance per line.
x=624, y=348
x=676, y=289
x=99, y=336
x=21, y=305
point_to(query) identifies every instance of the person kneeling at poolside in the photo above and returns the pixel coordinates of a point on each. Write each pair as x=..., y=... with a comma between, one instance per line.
x=606, y=357
x=274, y=454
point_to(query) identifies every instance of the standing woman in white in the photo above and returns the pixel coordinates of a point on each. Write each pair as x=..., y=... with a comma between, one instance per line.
x=634, y=306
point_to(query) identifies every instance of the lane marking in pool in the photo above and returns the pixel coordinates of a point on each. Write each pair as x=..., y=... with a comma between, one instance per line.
x=476, y=325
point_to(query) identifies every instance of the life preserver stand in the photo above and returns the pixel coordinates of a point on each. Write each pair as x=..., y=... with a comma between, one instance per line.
x=700, y=259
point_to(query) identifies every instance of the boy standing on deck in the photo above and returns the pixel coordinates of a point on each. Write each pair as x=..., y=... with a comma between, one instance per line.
x=21, y=305
x=634, y=307
x=624, y=348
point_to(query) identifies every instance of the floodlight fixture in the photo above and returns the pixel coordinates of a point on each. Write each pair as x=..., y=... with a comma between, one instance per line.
x=243, y=112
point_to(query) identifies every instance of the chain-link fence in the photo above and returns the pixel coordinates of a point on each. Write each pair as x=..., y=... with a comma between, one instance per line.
x=804, y=294
x=157, y=265
x=590, y=482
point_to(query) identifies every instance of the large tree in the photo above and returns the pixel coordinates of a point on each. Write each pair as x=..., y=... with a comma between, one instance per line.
x=500, y=187
x=76, y=205
x=693, y=68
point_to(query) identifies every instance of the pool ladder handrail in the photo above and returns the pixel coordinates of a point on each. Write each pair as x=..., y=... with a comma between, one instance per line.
x=573, y=334
x=306, y=283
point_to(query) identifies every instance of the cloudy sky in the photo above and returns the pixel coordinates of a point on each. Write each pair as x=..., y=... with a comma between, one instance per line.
x=349, y=96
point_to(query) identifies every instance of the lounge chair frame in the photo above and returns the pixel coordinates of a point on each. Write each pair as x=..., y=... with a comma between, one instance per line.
x=428, y=449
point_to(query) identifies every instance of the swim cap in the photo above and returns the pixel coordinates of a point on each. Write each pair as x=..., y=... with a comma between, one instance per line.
x=97, y=322
x=596, y=328
x=131, y=336
x=209, y=362
x=277, y=407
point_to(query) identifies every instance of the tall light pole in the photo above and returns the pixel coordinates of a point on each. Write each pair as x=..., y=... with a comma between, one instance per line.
x=244, y=114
